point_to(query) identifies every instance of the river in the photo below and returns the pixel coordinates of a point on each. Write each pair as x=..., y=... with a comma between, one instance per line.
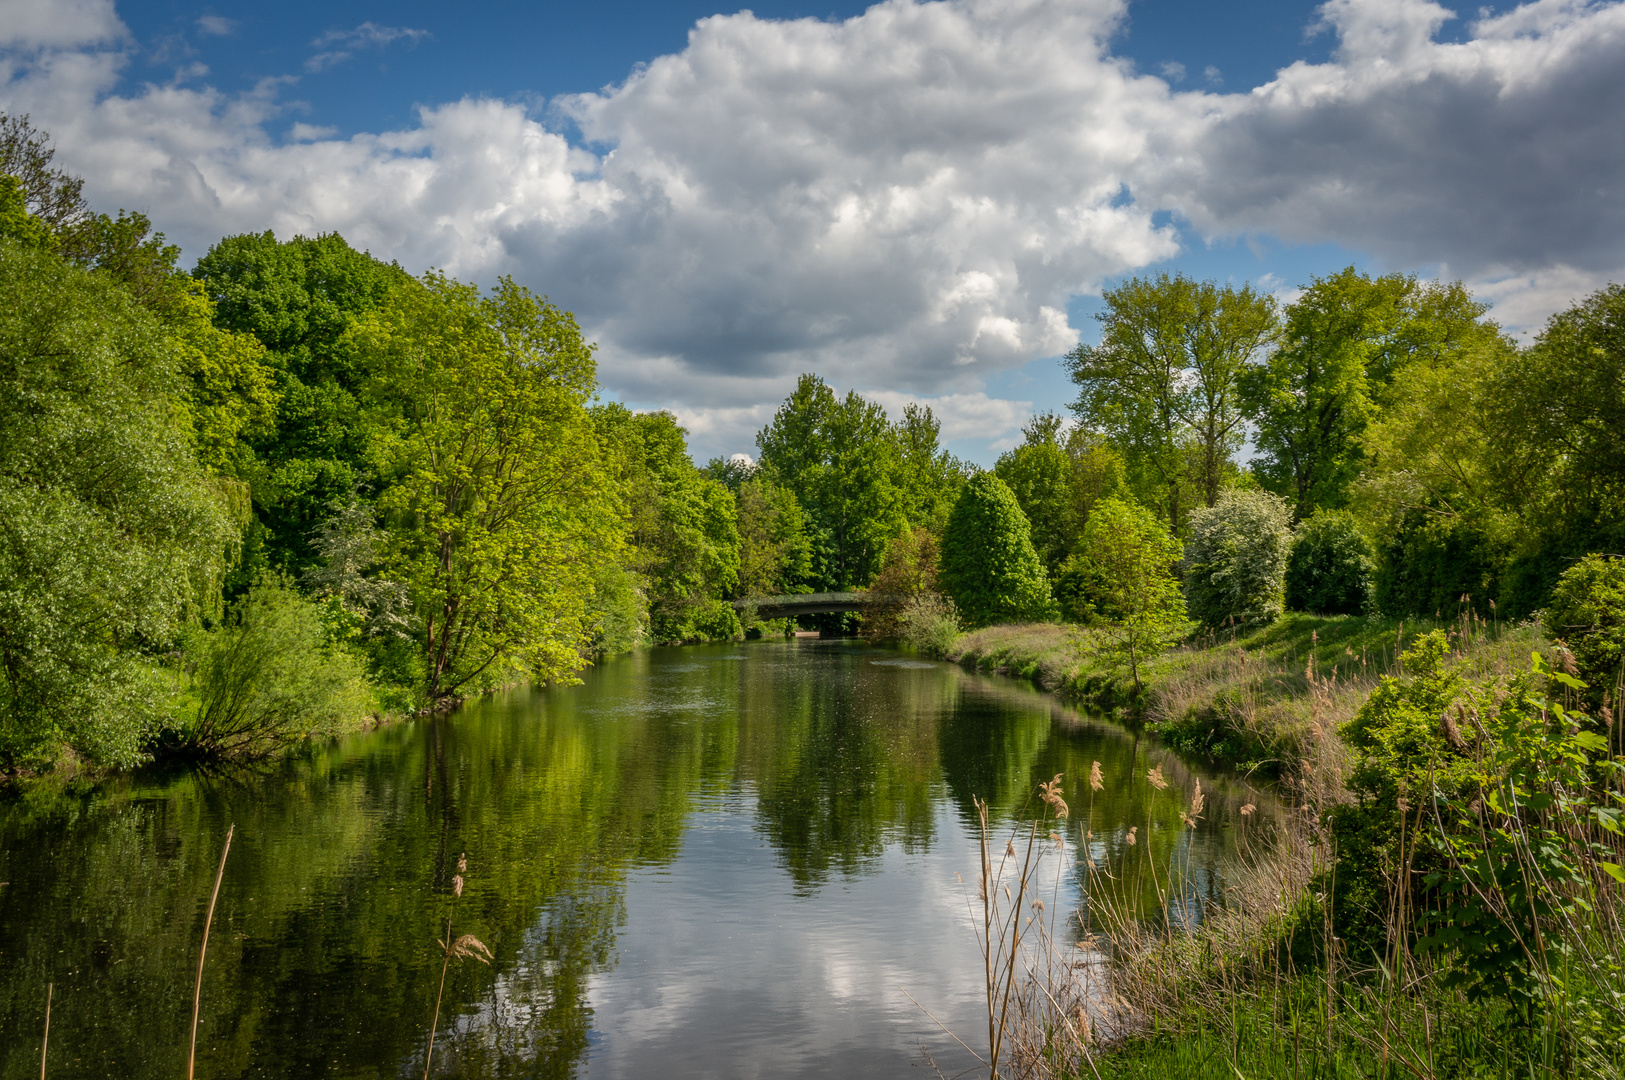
x=725, y=861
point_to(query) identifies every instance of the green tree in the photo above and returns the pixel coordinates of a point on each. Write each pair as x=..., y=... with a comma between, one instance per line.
x=16, y=223
x=1132, y=560
x=988, y=565
x=52, y=195
x=300, y=299
x=1345, y=340
x=682, y=524
x=499, y=509
x=840, y=458
x=113, y=536
x=1163, y=382
x=1235, y=562
x=1329, y=570
x=1039, y=474
x=928, y=476
x=775, y=555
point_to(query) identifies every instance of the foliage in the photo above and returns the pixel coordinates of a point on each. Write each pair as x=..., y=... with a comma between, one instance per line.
x=267, y=677
x=1433, y=562
x=1039, y=474
x=300, y=300
x=929, y=622
x=618, y=612
x=910, y=571
x=1587, y=614
x=840, y=458
x=1345, y=339
x=1163, y=382
x=52, y=195
x=349, y=546
x=16, y=223
x=112, y=535
x=988, y=565
x=928, y=477
x=1329, y=570
x=1129, y=560
x=1523, y=852
x=682, y=525
x=1235, y=562
x=498, y=509
x=1403, y=755
x=775, y=553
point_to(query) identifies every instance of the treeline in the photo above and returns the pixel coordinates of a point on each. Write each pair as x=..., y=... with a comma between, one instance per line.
x=296, y=486
x=1376, y=445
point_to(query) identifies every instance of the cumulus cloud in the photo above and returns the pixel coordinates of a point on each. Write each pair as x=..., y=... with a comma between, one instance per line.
x=903, y=201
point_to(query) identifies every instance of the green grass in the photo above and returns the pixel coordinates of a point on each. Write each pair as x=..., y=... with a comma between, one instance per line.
x=1284, y=1032
x=1259, y=699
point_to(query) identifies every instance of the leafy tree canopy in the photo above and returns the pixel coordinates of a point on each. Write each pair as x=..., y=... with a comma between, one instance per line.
x=989, y=566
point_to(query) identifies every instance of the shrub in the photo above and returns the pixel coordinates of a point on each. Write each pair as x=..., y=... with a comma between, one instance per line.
x=265, y=678
x=1587, y=614
x=989, y=567
x=1235, y=562
x=910, y=570
x=1430, y=561
x=1329, y=570
x=929, y=623
x=618, y=613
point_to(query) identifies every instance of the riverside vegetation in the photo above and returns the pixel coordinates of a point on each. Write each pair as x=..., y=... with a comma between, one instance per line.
x=297, y=489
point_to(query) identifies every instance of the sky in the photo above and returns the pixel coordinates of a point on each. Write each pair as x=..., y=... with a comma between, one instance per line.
x=920, y=201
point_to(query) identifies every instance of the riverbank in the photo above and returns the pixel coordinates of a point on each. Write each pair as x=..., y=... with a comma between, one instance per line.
x=1266, y=700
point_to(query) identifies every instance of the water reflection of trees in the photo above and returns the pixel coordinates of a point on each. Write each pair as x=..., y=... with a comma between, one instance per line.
x=323, y=959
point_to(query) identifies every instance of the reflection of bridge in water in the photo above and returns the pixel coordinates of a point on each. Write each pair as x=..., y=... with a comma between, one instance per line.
x=818, y=603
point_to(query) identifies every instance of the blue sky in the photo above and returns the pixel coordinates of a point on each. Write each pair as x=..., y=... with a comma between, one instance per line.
x=919, y=200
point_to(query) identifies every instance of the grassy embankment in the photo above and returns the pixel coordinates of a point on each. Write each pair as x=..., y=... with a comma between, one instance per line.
x=1265, y=700
x=1249, y=992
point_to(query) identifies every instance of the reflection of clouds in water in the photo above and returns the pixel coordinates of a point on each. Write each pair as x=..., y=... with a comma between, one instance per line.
x=814, y=978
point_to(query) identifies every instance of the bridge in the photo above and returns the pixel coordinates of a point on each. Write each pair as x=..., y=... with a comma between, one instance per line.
x=781, y=607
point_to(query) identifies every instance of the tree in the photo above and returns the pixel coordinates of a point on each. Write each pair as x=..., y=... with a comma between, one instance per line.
x=909, y=573
x=1587, y=614
x=111, y=534
x=300, y=299
x=499, y=510
x=840, y=458
x=1163, y=382
x=929, y=477
x=1039, y=474
x=988, y=565
x=1345, y=340
x=775, y=555
x=1131, y=558
x=53, y=196
x=681, y=524
x=1235, y=562
x=1329, y=570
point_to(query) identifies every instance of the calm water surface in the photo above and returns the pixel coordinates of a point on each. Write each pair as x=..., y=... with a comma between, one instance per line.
x=719, y=862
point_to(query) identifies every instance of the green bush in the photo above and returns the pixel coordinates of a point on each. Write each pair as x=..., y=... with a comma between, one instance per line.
x=1235, y=562
x=1431, y=561
x=619, y=611
x=929, y=623
x=1587, y=614
x=989, y=567
x=1329, y=570
x=266, y=678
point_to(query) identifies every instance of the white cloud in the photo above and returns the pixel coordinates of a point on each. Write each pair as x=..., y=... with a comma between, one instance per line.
x=902, y=201
x=367, y=35
x=58, y=24
x=217, y=25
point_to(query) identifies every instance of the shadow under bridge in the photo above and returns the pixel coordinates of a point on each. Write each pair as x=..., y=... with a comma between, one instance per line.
x=783, y=607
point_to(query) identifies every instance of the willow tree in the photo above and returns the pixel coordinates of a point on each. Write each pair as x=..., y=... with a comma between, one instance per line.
x=500, y=517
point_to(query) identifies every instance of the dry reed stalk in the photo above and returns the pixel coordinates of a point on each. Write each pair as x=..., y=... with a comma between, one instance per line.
x=45, y=1039
x=466, y=946
x=197, y=984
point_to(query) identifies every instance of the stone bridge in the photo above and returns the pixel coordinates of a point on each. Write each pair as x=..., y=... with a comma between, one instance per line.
x=781, y=607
